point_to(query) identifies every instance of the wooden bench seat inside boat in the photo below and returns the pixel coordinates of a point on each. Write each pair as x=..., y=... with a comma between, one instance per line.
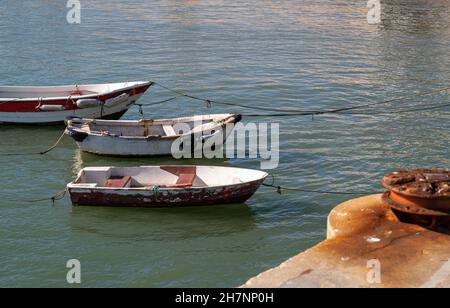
x=186, y=175
x=185, y=180
x=119, y=182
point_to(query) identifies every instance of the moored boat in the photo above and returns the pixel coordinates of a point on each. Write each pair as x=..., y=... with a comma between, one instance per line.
x=52, y=105
x=148, y=137
x=164, y=186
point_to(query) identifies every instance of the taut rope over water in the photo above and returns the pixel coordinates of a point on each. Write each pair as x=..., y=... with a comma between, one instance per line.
x=59, y=196
x=323, y=192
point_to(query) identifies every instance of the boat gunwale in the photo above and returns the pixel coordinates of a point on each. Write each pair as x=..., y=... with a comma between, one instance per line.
x=162, y=189
x=138, y=84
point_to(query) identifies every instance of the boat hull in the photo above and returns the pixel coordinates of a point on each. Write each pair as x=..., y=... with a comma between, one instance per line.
x=28, y=112
x=150, y=198
x=114, y=146
x=108, y=144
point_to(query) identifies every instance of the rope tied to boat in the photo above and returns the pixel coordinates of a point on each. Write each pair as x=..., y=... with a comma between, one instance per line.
x=141, y=110
x=58, y=196
x=55, y=145
x=40, y=103
x=280, y=189
x=38, y=153
x=140, y=105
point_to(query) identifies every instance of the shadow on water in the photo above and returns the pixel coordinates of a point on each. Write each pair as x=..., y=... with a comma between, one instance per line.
x=162, y=224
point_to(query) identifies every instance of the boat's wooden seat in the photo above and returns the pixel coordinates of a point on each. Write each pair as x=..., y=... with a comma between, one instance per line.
x=119, y=182
x=186, y=175
x=185, y=180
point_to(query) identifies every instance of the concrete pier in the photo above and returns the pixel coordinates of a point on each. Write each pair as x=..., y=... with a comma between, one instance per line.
x=366, y=246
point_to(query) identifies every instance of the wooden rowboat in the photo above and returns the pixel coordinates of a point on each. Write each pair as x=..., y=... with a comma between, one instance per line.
x=164, y=186
x=148, y=137
x=52, y=105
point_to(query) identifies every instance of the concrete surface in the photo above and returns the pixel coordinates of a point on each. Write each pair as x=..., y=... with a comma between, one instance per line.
x=366, y=247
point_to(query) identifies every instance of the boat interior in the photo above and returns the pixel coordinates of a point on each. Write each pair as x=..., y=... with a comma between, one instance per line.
x=164, y=177
x=163, y=128
x=59, y=91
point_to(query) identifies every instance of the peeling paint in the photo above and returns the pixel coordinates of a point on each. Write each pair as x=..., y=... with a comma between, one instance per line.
x=165, y=197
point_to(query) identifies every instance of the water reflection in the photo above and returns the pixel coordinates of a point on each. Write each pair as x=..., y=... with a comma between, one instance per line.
x=123, y=225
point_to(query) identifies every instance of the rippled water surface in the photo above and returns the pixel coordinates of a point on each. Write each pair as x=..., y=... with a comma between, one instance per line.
x=305, y=54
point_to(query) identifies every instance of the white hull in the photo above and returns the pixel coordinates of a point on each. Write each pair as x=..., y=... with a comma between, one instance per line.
x=106, y=143
x=51, y=105
x=164, y=186
x=128, y=147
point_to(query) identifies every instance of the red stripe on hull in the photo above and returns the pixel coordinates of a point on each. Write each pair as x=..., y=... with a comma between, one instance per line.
x=70, y=104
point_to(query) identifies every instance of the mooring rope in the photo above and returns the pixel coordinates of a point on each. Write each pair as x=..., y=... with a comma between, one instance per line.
x=323, y=192
x=210, y=101
x=55, y=145
x=165, y=101
x=38, y=153
x=279, y=112
x=427, y=108
x=298, y=112
x=140, y=105
x=59, y=196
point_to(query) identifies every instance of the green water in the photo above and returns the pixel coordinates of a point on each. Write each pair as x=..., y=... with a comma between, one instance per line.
x=299, y=53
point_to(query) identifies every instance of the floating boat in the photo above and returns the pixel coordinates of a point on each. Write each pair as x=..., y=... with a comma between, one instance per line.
x=52, y=105
x=164, y=186
x=148, y=137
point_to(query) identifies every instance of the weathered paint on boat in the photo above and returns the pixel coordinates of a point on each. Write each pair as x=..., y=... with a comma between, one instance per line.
x=90, y=194
x=165, y=198
x=52, y=105
x=146, y=137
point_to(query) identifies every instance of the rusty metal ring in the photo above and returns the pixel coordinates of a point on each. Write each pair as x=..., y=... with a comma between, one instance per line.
x=410, y=208
x=433, y=184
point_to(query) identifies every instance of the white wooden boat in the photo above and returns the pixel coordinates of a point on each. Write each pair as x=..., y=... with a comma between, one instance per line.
x=164, y=186
x=147, y=137
x=51, y=105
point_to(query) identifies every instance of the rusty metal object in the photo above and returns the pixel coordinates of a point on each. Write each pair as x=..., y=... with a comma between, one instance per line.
x=420, y=196
x=410, y=208
x=429, y=188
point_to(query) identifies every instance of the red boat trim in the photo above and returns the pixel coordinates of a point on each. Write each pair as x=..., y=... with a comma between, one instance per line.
x=69, y=103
